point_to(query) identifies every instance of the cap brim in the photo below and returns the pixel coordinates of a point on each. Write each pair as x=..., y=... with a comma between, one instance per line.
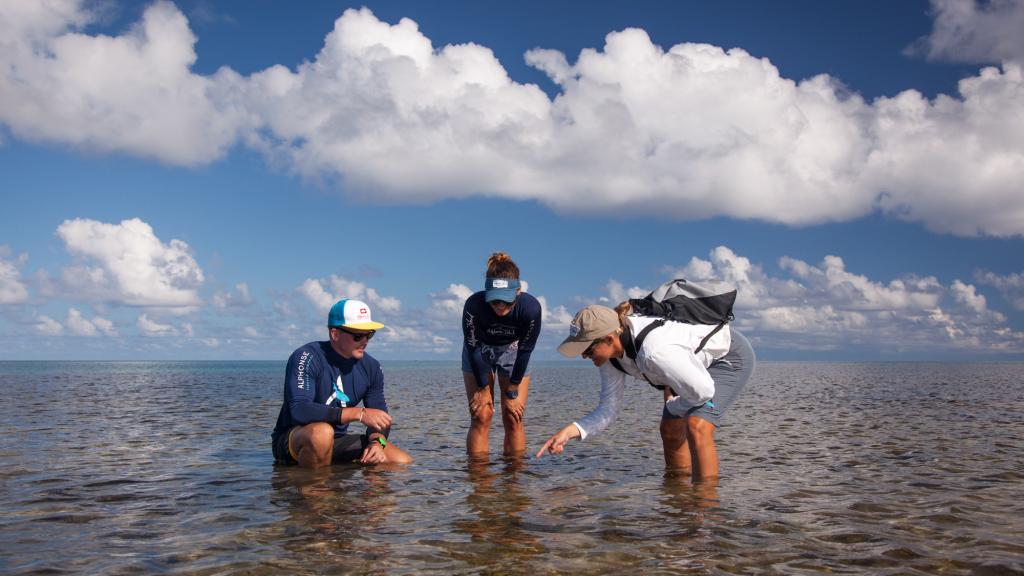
x=362, y=326
x=572, y=348
x=503, y=294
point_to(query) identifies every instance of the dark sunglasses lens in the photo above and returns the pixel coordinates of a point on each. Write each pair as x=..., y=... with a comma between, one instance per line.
x=359, y=336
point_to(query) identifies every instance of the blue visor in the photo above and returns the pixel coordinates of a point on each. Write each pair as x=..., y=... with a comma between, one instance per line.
x=503, y=289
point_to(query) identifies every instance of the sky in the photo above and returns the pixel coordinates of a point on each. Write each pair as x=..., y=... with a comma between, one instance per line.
x=200, y=180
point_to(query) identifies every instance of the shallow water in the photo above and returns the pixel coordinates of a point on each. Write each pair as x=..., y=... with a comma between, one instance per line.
x=849, y=468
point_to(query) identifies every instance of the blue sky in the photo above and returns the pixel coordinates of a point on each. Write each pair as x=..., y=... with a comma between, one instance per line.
x=200, y=180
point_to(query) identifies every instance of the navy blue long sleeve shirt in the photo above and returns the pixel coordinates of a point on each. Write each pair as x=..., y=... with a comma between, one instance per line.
x=481, y=326
x=309, y=381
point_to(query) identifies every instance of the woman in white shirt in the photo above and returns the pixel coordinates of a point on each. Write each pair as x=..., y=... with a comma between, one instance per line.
x=700, y=382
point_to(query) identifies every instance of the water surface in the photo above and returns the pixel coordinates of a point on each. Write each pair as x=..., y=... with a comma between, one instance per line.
x=853, y=468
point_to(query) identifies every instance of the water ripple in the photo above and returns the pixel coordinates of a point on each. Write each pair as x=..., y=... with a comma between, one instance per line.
x=843, y=468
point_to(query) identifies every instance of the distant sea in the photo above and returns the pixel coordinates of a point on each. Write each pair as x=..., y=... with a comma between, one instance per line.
x=165, y=467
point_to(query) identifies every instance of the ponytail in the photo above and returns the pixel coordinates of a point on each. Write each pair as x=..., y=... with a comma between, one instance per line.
x=623, y=310
x=500, y=265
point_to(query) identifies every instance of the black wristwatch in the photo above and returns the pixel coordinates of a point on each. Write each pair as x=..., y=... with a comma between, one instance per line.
x=512, y=394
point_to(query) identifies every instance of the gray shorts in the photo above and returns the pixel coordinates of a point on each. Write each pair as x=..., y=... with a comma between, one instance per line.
x=347, y=447
x=730, y=374
x=500, y=359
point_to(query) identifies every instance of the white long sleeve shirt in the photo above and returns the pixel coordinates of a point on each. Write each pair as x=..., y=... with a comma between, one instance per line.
x=666, y=358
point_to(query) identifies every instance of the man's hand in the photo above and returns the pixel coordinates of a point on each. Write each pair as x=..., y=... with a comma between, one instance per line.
x=482, y=398
x=557, y=443
x=374, y=418
x=373, y=454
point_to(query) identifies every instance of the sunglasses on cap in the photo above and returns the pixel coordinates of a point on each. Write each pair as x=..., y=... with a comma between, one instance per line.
x=357, y=336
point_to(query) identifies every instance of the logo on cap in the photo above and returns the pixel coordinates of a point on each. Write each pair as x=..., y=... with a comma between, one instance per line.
x=363, y=311
x=574, y=329
x=498, y=283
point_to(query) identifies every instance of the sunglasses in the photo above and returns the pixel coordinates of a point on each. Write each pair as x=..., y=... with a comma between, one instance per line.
x=358, y=336
x=590, y=349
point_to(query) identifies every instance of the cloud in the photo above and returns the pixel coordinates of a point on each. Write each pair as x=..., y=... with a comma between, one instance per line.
x=690, y=132
x=47, y=326
x=1011, y=286
x=132, y=93
x=618, y=293
x=12, y=289
x=127, y=264
x=555, y=319
x=81, y=326
x=339, y=287
x=968, y=31
x=414, y=338
x=446, y=306
x=239, y=298
x=151, y=327
x=827, y=307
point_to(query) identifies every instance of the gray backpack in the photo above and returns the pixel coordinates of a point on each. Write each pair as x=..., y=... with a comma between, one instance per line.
x=708, y=303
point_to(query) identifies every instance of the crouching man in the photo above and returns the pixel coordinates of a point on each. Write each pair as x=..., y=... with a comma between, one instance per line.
x=324, y=384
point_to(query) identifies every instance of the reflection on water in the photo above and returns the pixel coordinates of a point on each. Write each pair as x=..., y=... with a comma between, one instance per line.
x=856, y=468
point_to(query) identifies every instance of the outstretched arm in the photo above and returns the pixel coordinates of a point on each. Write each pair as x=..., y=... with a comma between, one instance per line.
x=613, y=385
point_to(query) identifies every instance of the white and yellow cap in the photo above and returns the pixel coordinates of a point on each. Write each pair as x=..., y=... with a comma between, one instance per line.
x=353, y=314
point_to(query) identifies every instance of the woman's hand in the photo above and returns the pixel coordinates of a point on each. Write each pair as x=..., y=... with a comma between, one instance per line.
x=557, y=443
x=514, y=406
x=481, y=399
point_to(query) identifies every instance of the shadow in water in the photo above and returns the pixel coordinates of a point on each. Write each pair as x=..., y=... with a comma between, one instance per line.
x=334, y=511
x=688, y=505
x=497, y=502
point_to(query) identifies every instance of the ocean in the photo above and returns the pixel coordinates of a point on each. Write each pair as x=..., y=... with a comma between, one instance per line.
x=855, y=468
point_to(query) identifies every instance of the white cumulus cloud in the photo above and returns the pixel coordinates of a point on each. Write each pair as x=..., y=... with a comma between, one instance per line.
x=151, y=327
x=689, y=131
x=12, y=289
x=827, y=307
x=127, y=263
x=323, y=293
x=82, y=326
x=1011, y=286
x=972, y=31
x=446, y=305
x=46, y=326
x=131, y=93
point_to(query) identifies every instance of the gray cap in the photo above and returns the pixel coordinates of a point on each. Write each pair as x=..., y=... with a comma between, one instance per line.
x=591, y=323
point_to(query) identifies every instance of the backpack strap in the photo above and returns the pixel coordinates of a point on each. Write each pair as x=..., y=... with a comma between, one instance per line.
x=631, y=346
x=618, y=366
x=639, y=341
x=708, y=337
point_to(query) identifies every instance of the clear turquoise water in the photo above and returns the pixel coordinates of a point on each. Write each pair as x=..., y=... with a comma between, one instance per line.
x=853, y=468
